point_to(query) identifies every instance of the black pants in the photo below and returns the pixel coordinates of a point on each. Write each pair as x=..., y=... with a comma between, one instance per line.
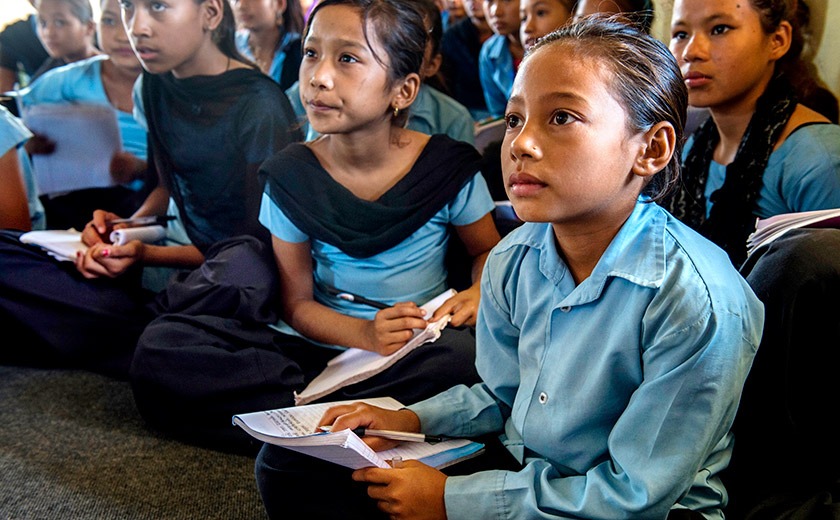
x=64, y=319
x=210, y=355
x=786, y=457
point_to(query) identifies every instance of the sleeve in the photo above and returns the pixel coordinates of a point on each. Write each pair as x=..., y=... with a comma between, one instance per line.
x=139, y=112
x=13, y=132
x=811, y=169
x=496, y=99
x=472, y=202
x=273, y=218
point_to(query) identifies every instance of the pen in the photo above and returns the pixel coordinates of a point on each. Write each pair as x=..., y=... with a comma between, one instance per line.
x=355, y=298
x=395, y=435
x=142, y=221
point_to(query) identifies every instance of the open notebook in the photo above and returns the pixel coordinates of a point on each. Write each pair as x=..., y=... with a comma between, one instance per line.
x=354, y=365
x=294, y=428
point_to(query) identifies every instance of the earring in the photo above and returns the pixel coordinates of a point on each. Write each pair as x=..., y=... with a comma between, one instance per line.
x=396, y=112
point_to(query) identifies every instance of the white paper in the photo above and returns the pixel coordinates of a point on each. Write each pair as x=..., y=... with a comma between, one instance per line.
x=61, y=244
x=147, y=234
x=354, y=365
x=295, y=428
x=86, y=137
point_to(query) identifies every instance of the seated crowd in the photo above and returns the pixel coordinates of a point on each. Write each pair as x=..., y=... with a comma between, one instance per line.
x=611, y=340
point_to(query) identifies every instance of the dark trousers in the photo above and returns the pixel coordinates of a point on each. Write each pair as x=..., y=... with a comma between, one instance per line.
x=210, y=354
x=786, y=458
x=64, y=319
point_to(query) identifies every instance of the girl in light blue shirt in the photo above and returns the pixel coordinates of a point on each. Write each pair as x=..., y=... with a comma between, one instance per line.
x=612, y=341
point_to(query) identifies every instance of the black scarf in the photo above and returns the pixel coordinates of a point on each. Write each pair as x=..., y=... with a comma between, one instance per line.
x=200, y=99
x=732, y=217
x=327, y=211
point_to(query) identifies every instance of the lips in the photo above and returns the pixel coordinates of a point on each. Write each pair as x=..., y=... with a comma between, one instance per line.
x=695, y=79
x=146, y=53
x=524, y=184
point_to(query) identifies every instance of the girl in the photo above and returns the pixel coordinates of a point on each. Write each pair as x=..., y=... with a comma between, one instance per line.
x=761, y=153
x=270, y=36
x=212, y=120
x=106, y=79
x=500, y=54
x=364, y=208
x=460, y=47
x=66, y=28
x=540, y=17
x=601, y=417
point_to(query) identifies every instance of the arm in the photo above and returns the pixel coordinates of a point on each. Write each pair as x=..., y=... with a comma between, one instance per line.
x=14, y=205
x=386, y=333
x=478, y=238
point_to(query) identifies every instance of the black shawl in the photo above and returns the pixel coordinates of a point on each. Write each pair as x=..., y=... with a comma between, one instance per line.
x=327, y=211
x=732, y=217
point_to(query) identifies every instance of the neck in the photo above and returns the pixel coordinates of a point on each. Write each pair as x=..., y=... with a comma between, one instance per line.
x=208, y=61
x=733, y=117
x=121, y=75
x=83, y=54
x=264, y=39
x=362, y=150
x=582, y=245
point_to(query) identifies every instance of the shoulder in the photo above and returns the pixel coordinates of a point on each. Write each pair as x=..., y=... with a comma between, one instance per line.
x=802, y=115
x=811, y=142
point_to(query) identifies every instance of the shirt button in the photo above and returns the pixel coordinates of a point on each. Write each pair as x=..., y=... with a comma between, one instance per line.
x=543, y=397
x=565, y=308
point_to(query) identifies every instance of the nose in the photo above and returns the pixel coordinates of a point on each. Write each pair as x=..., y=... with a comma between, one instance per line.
x=525, y=145
x=321, y=75
x=527, y=25
x=696, y=47
x=136, y=23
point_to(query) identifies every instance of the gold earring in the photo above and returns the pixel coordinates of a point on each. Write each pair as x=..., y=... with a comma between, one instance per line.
x=396, y=112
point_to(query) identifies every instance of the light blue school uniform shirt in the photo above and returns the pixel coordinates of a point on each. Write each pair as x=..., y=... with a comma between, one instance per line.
x=13, y=135
x=413, y=270
x=432, y=112
x=276, y=70
x=81, y=82
x=617, y=394
x=496, y=73
x=803, y=174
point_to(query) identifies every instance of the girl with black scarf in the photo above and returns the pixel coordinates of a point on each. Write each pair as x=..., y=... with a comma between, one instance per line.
x=212, y=119
x=763, y=153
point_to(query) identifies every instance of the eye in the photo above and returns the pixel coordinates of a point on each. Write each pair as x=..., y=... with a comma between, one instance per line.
x=60, y=23
x=309, y=53
x=347, y=58
x=562, y=118
x=679, y=35
x=126, y=5
x=108, y=21
x=512, y=121
x=720, y=29
x=157, y=7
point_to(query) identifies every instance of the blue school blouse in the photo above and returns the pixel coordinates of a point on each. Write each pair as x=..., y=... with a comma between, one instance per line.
x=275, y=72
x=803, y=174
x=413, y=270
x=13, y=135
x=496, y=72
x=617, y=394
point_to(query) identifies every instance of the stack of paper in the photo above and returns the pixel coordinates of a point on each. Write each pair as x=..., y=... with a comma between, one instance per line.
x=771, y=228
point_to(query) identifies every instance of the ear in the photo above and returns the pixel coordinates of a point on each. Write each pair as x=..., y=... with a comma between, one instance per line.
x=780, y=40
x=405, y=91
x=213, y=12
x=657, y=149
x=281, y=8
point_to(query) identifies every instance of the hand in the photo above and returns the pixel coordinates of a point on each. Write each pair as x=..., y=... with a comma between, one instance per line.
x=463, y=307
x=355, y=415
x=109, y=260
x=392, y=327
x=413, y=491
x=97, y=231
x=39, y=144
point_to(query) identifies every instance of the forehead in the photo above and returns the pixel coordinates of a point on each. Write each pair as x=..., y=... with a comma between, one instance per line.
x=706, y=9
x=564, y=67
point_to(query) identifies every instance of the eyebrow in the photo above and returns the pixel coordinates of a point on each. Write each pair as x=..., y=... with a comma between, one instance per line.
x=555, y=96
x=709, y=19
x=341, y=43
